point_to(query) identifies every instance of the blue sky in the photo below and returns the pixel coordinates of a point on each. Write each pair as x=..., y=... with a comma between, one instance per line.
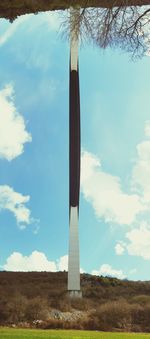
x=115, y=177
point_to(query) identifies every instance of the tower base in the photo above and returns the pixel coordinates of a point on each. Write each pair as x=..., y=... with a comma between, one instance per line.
x=75, y=294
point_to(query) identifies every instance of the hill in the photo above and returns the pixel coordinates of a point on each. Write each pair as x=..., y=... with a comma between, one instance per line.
x=40, y=299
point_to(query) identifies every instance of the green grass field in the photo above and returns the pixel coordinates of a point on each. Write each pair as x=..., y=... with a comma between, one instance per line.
x=58, y=334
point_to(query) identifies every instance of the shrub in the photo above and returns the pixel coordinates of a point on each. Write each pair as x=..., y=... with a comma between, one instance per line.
x=112, y=315
x=16, y=308
x=79, y=304
x=141, y=317
x=141, y=299
x=36, y=308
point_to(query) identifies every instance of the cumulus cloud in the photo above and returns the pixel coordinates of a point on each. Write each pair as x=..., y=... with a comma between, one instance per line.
x=138, y=238
x=111, y=203
x=37, y=261
x=15, y=203
x=147, y=129
x=139, y=241
x=141, y=168
x=105, y=193
x=13, y=134
x=62, y=263
x=119, y=249
x=107, y=270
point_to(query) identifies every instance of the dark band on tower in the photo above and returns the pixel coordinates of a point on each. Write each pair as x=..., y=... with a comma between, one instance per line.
x=74, y=128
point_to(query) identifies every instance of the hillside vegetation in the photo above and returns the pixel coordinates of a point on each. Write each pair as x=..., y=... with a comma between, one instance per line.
x=39, y=299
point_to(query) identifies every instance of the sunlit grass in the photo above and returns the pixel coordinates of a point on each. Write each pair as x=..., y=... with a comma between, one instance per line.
x=57, y=334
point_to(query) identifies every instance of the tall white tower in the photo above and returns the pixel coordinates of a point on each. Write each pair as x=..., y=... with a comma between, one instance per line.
x=74, y=158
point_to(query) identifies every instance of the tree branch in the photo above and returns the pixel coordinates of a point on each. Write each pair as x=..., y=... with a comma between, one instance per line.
x=10, y=9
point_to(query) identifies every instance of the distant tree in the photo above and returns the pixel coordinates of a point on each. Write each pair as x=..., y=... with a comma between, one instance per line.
x=126, y=27
x=122, y=23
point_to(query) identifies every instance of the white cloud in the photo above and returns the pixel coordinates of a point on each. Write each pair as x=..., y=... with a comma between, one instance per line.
x=138, y=238
x=37, y=261
x=15, y=203
x=141, y=168
x=119, y=249
x=12, y=28
x=36, y=30
x=107, y=270
x=133, y=271
x=13, y=134
x=105, y=194
x=53, y=20
x=139, y=241
x=147, y=129
x=62, y=263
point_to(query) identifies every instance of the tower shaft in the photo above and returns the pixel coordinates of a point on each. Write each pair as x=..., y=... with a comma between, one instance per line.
x=74, y=159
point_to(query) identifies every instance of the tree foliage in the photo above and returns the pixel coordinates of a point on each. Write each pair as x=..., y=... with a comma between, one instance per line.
x=116, y=23
x=126, y=27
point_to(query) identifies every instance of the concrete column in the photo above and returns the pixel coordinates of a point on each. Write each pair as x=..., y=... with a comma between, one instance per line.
x=74, y=262
x=74, y=159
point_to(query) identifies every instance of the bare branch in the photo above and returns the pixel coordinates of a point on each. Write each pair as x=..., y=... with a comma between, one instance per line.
x=123, y=27
x=10, y=9
x=116, y=23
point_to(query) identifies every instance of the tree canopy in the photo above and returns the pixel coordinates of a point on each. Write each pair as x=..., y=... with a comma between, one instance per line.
x=121, y=23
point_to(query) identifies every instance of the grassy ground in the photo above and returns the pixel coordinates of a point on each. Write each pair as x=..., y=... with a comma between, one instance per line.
x=6, y=333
